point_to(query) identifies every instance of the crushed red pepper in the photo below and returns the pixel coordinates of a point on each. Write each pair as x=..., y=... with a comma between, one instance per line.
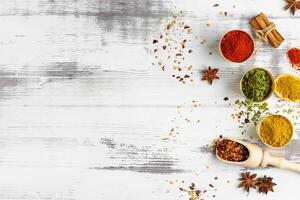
x=231, y=151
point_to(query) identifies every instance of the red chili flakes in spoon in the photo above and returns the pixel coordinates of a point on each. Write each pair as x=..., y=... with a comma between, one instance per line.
x=231, y=151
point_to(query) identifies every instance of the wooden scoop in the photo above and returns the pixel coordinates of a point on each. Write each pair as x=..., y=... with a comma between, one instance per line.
x=260, y=158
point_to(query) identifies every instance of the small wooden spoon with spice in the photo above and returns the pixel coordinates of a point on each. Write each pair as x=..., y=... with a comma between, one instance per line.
x=250, y=155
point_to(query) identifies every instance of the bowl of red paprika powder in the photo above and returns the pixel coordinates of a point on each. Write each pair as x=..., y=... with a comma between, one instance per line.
x=236, y=46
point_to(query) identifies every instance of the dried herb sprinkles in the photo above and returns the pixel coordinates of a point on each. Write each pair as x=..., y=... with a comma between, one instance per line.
x=248, y=112
x=185, y=113
x=195, y=191
x=172, y=48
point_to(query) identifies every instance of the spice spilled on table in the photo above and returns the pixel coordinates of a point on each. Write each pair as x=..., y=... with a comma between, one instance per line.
x=248, y=113
x=294, y=57
x=172, y=48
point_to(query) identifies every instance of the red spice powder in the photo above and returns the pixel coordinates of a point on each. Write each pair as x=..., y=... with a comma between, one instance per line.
x=237, y=46
x=294, y=56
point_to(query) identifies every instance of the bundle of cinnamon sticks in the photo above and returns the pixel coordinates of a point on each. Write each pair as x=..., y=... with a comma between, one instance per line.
x=261, y=22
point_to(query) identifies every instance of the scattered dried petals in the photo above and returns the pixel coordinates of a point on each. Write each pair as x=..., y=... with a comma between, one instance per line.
x=173, y=40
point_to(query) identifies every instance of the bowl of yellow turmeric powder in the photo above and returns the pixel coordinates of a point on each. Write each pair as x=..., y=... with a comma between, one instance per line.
x=287, y=87
x=275, y=131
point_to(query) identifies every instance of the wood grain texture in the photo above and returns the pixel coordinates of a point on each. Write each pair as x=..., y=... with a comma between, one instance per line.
x=83, y=112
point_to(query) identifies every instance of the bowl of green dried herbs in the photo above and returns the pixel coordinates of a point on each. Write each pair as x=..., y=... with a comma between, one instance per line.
x=257, y=84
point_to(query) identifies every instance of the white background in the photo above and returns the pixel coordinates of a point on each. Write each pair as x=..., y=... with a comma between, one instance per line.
x=83, y=112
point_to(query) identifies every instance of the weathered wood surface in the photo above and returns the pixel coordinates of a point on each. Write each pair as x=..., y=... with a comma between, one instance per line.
x=83, y=112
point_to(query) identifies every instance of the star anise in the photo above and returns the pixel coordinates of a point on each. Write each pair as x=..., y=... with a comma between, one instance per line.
x=248, y=181
x=265, y=184
x=210, y=74
x=293, y=5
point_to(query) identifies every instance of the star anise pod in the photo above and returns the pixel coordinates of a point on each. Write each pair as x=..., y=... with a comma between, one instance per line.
x=210, y=74
x=248, y=181
x=265, y=184
x=293, y=5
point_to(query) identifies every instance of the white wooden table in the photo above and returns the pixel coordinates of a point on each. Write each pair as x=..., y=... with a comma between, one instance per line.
x=83, y=111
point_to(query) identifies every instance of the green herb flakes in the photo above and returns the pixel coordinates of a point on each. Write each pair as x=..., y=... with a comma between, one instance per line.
x=257, y=85
x=248, y=112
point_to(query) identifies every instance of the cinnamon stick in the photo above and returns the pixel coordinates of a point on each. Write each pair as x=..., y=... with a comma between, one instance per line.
x=260, y=22
x=255, y=24
x=274, y=31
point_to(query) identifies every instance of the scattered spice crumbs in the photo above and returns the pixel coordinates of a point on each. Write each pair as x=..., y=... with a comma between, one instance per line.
x=172, y=47
x=173, y=132
x=223, y=13
x=291, y=110
x=193, y=191
x=186, y=113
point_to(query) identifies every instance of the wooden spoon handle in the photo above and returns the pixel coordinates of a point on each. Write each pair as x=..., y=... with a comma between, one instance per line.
x=282, y=163
x=292, y=166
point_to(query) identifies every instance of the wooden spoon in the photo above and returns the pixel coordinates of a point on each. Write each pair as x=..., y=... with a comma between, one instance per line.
x=260, y=158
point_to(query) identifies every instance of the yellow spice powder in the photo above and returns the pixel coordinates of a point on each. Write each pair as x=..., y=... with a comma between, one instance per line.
x=288, y=87
x=276, y=130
